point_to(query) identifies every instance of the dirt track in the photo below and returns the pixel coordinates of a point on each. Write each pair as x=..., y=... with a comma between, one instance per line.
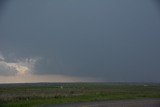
x=126, y=103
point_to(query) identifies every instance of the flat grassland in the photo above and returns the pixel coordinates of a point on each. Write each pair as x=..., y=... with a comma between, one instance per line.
x=36, y=94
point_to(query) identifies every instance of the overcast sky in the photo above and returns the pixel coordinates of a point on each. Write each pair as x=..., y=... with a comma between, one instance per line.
x=79, y=40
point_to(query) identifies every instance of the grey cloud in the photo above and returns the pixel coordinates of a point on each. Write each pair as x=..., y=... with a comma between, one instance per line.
x=113, y=40
x=5, y=70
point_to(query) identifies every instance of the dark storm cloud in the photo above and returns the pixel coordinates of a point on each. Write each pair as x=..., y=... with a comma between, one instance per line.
x=157, y=1
x=2, y=2
x=2, y=5
x=113, y=40
x=157, y=4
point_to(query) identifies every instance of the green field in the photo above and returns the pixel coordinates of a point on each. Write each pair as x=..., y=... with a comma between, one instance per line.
x=35, y=94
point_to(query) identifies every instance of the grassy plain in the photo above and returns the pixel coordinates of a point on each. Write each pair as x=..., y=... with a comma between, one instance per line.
x=36, y=94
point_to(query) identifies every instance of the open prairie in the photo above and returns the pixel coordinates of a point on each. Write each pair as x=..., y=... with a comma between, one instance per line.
x=42, y=94
x=120, y=103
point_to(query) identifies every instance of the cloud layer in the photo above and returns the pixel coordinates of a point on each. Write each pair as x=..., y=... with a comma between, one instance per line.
x=20, y=67
x=99, y=39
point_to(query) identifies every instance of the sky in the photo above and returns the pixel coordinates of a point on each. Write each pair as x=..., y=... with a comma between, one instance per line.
x=79, y=41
